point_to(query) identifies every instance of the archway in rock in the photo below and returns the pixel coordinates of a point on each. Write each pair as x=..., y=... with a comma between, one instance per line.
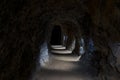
x=56, y=36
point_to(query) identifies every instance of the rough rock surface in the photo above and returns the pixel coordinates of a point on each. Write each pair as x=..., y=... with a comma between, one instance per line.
x=26, y=24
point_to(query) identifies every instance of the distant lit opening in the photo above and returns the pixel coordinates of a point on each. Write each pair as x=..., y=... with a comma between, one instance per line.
x=56, y=37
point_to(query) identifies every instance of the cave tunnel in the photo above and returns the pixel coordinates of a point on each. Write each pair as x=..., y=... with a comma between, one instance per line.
x=28, y=29
x=56, y=36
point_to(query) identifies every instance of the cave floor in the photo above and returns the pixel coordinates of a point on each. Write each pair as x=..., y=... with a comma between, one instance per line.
x=65, y=67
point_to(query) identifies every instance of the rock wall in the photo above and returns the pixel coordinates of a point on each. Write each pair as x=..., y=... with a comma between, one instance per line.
x=24, y=27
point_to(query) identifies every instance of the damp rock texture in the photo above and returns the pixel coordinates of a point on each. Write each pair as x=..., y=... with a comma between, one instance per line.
x=26, y=24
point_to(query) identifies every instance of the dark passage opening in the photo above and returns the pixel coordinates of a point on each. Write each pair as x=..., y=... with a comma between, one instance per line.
x=56, y=36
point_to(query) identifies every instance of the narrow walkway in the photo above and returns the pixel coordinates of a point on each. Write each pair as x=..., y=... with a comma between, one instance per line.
x=65, y=66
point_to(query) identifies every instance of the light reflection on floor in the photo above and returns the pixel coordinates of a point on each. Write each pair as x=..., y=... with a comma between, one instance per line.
x=72, y=58
x=58, y=47
x=61, y=52
x=62, y=66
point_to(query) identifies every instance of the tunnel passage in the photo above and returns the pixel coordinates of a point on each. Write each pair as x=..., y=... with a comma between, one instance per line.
x=56, y=36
